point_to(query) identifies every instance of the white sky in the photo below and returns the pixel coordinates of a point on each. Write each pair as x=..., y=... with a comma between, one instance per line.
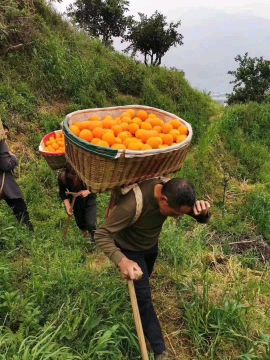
x=196, y=15
x=254, y=7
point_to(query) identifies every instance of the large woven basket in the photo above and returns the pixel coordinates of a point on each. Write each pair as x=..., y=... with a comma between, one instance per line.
x=103, y=169
x=2, y=132
x=55, y=161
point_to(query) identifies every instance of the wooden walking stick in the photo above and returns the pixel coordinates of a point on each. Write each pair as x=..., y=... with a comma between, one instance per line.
x=74, y=197
x=137, y=319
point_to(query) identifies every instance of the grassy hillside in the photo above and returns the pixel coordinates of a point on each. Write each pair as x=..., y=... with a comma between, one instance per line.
x=62, y=300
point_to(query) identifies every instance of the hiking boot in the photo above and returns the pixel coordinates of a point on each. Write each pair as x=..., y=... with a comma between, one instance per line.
x=162, y=356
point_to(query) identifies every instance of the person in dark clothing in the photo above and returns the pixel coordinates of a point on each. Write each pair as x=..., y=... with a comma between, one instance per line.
x=85, y=208
x=131, y=241
x=9, y=189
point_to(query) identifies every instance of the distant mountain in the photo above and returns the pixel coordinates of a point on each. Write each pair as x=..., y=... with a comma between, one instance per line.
x=212, y=39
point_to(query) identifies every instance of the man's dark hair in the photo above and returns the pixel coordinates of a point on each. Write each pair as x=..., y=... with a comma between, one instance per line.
x=179, y=192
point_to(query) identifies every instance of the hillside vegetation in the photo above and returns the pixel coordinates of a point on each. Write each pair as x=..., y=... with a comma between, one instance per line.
x=62, y=299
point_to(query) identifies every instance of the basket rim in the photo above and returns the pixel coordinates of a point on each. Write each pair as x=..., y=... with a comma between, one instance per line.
x=110, y=153
x=42, y=145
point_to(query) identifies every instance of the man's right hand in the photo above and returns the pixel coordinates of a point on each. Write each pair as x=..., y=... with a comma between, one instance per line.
x=130, y=269
x=68, y=207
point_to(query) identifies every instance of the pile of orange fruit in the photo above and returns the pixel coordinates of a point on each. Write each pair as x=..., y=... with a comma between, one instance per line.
x=132, y=130
x=55, y=144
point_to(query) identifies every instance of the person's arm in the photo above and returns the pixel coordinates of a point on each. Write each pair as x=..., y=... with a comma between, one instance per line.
x=201, y=211
x=63, y=196
x=119, y=218
x=8, y=161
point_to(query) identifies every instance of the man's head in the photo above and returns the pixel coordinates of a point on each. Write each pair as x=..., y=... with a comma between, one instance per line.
x=176, y=198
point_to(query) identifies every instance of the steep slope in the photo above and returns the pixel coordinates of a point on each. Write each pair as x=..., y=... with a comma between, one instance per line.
x=62, y=300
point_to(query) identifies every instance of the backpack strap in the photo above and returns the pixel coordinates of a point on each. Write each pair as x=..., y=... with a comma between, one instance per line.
x=2, y=184
x=116, y=193
x=139, y=202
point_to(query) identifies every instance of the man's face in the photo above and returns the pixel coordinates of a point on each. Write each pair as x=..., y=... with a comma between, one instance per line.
x=166, y=210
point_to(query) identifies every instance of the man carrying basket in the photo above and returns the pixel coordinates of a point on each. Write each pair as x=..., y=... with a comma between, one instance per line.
x=130, y=239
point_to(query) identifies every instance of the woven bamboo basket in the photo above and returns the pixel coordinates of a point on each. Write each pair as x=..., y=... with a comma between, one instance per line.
x=55, y=161
x=2, y=132
x=103, y=169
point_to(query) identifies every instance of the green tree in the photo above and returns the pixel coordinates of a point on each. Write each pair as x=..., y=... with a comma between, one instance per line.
x=152, y=37
x=101, y=18
x=252, y=80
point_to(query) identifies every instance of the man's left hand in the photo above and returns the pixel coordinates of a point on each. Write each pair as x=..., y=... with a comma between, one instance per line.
x=201, y=207
x=84, y=193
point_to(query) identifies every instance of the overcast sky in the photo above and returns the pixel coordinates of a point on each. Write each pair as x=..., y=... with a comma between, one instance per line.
x=215, y=31
x=257, y=8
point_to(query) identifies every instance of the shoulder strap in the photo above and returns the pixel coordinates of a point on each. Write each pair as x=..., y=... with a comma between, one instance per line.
x=3, y=183
x=139, y=202
x=138, y=197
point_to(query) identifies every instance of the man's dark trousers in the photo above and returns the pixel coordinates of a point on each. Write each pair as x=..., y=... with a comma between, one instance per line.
x=151, y=326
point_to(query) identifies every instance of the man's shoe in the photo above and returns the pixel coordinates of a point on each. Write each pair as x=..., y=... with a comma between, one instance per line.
x=163, y=356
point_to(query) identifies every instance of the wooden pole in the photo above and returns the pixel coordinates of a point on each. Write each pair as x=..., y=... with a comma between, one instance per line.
x=137, y=319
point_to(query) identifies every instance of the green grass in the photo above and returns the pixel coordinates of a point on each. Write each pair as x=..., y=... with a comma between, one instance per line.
x=54, y=304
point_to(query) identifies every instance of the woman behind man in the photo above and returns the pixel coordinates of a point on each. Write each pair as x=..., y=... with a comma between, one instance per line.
x=84, y=209
x=9, y=189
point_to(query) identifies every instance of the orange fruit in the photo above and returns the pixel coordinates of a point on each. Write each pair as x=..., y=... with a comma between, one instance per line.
x=158, y=128
x=167, y=139
x=126, y=119
x=98, y=132
x=117, y=129
x=93, y=124
x=131, y=113
x=137, y=120
x=153, y=133
x=183, y=129
x=95, y=141
x=50, y=149
x=75, y=129
x=118, y=147
x=142, y=114
x=118, y=140
x=133, y=127
x=144, y=135
x=124, y=135
x=175, y=123
x=109, y=138
x=127, y=140
x=166, y=128
x=154, y=142
x=174, y=133
x=134, y=145
x=163, y=146
x=117, y=120
x=140, y=134
x=146, y=147
x=152, y=116
x=146, y=126
x=103, y=143
x=156, y=121
x=125, y=113
x=108, y=122
x=180, y=138
x=86, y=135
x=86, y=125
x=124, y=125
x=54, y=145
x=95, y=118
